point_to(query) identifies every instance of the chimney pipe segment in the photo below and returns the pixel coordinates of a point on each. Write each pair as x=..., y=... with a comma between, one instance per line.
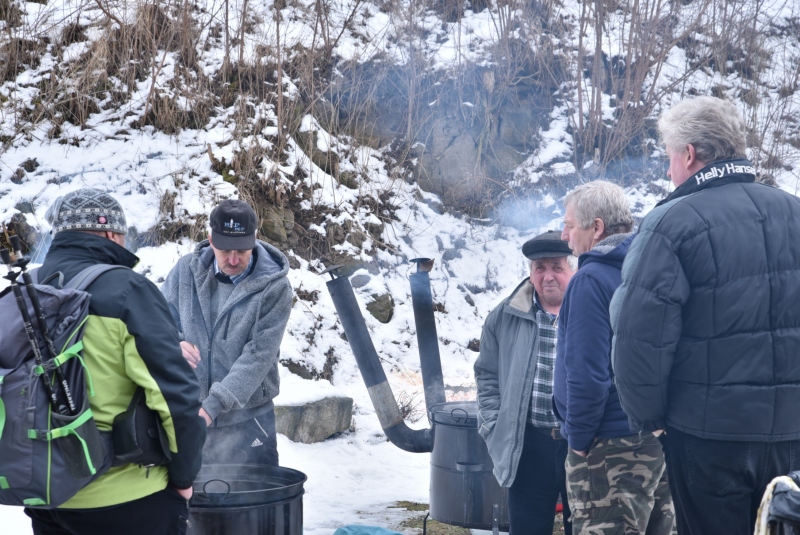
x=405, y=438
x=427, y=338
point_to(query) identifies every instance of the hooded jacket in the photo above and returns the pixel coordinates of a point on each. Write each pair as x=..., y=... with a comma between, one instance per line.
x=130, y=341
x=584, y=394
x=238, y=370
x=707, y=320
x=504, y=374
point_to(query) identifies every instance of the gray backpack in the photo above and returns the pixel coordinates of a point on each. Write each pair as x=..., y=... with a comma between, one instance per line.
x=47, y=456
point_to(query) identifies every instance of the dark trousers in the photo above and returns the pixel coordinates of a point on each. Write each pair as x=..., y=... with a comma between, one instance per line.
x=162, y=513
x=717, y=485
x=250, y=442
x=539, y=480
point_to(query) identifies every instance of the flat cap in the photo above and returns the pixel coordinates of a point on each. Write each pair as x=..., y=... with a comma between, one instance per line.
x=547, y=245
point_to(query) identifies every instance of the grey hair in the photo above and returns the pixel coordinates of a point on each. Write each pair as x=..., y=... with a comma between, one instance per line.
x=572, y=261
x=603, y=200
x=713, y=126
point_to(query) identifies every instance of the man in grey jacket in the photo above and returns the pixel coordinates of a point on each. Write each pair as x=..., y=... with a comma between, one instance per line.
x=231, y=299
x=514, y=372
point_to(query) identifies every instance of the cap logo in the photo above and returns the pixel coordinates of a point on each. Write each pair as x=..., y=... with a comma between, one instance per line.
x=234, y=227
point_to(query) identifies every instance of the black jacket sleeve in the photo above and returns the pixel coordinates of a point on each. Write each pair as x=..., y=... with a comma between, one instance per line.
x=169, y=382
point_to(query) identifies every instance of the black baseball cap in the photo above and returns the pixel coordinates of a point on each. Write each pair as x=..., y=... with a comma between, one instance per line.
x=233, y=226
x=547, y=245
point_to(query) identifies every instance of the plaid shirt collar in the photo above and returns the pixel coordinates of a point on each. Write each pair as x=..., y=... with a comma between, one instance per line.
x=540, y=308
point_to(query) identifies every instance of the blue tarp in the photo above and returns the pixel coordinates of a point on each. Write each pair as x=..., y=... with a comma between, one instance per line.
x=364, y=530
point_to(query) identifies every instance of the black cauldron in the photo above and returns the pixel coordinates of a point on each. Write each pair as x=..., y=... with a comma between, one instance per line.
x=236, y=499
x=464, y=492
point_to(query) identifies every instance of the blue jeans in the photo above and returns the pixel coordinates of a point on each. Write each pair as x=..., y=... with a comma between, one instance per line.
x=717, y=485
x=539, y=480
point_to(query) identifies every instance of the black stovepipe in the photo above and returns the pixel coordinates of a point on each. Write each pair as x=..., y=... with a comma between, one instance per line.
x=402, y=436
x=429, y=359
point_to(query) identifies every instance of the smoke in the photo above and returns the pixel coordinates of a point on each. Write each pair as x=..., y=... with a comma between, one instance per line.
x=531, y=212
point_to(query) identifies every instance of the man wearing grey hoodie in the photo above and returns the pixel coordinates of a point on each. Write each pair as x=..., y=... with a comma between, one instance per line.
x=231, y=299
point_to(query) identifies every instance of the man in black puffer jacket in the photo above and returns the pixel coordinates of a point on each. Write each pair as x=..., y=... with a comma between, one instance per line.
x=707, y=323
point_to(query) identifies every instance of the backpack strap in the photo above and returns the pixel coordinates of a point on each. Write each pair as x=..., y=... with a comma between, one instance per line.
x=82, y=280
x=34, y=273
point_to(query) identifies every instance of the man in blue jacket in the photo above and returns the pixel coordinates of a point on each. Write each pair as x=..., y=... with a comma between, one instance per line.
x=615, y=478
x=707, y=323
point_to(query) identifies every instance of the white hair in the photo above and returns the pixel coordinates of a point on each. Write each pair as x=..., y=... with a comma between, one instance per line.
x=713, y=126
x=572, y=261
x=603, y=200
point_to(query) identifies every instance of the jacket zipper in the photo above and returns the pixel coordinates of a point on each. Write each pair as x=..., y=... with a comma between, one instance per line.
x=227, y=324
x=210, y=358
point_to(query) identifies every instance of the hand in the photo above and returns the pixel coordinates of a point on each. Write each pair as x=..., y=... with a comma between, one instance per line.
x=191, y=353
x=206, y=417
x=658, y=432
x=581, y=453
x=186, y=493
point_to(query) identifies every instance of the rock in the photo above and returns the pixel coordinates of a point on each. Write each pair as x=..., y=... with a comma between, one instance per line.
x=376, y=229
x=359, y=281
x=382, y=307
x=272, y=225
x=18, y=225
x=327, y=161
x=336, y=233
x=294, y=263
x=18, y=175
x=348, y=179
x=357, y=238
x=316, y=421
x=26, y=207
x=298, y=369
x=288, y=219
x=451, y=254
x=30, y=165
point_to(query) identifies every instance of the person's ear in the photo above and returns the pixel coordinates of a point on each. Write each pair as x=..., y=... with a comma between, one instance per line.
x=209, y=239
x=691, y=156
x=599, y=228
x=116, y=237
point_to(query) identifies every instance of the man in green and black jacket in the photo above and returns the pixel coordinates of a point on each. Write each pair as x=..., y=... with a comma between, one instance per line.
x=129, y=342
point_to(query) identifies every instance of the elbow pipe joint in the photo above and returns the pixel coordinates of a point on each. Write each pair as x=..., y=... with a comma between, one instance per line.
x=413, y=440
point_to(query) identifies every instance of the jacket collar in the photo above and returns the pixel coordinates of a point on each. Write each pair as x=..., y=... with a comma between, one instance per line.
x=83, y=246
x=270, y=264
x=522, y=298
x=714, y=175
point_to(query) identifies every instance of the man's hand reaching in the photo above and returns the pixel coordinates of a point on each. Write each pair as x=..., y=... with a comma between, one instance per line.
x=206, y=417
x=191, y=353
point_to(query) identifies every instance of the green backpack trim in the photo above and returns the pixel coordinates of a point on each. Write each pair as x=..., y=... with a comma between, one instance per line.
x=68, y=430
x=73, y=351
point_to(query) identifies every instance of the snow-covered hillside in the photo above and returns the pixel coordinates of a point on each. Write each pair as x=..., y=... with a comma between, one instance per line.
x=70, y=117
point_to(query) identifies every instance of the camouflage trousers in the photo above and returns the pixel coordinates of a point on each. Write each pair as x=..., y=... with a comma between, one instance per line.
x=620, y=488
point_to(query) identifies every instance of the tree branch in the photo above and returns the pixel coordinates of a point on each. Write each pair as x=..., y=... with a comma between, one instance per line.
x=108, y=13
